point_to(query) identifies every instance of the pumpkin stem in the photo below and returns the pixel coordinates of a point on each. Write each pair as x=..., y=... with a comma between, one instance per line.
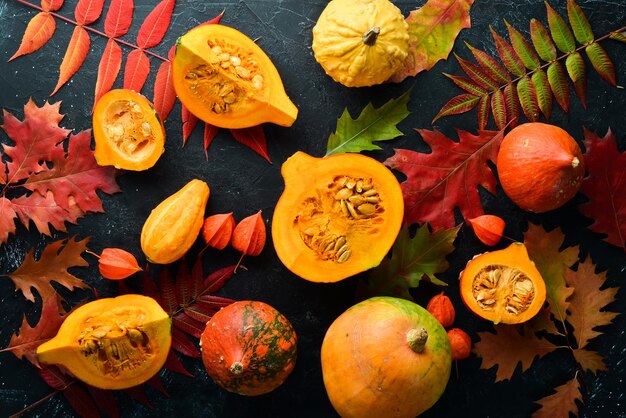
x=236, y=368
x=575, y=162
x=369, y=37
x=416, y=338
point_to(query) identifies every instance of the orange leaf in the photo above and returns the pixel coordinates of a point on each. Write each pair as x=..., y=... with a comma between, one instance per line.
x=136, y=70
x=488, y=228
x=590, y=360
x=249, y=235
x=119, y=17
x=39, y=31
x=587, y=302
x=561, y=403
x=164, y=94
x=154, y=27
x=117, y=264
x=51, y=5
x=108, y=68
x=74, y=56
x=88, y=11
x=508, y=347
x=218, y=229
x=53, y=265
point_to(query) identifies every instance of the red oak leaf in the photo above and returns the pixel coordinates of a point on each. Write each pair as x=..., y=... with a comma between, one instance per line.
x=446, y=178
x=605, y=187
x=45, y=212
x=7, y=219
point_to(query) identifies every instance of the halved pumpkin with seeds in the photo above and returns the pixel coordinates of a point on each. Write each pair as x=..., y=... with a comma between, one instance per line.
x=224, y=78
x=503, y=286
x=338, y=215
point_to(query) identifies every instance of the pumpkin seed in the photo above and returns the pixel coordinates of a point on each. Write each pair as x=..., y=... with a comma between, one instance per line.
x=341, y=241
x=257, y=82
x=356, y=200
x=352, y=210
x=235, y=61
x=344, y=257
x=343, y=194
x=369, y=192
x=242, y=72
x=367, y=209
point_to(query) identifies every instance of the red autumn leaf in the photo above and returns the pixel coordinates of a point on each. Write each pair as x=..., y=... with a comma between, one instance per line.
x=562, y=403
x=7, y=219
x=218, y=229
x=53, y=265
x=153, y=29
x=105, y=400
x=45, y=212
x=88, y=11
x=54, y=377
x=189, y=123
x=187, y=324
x=80, y=400
x=605, y=187
x=108, y=69
x=589, y=361
x=25, y=342
x=138, y=394
x=51, y=5
x=508, y=347
x=74, y=57
x=182, y=344
x=447, y=178
x=184, y=285
x=253, y=138
x=173, y=364
x=217, y=279
x=136, y=70
x=77, y=176
x=200, y=312
x=209, y=134
x=249, y=235
x=37, y=138
x=164, y=94
x=168, y=292
x=119, y=17
x=488, y=228
x=38, y=32
x=117, y=264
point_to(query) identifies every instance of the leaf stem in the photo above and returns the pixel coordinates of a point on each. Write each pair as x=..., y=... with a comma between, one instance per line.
x=33, y=405
x=90, y=29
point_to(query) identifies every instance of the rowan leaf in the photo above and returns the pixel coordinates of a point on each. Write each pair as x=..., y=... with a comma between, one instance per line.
x=74, y=57
x=173, y=364
x=249, y=235
x=542, y=90
x=618, y=36
x=422, y=257
x=587, y=302
x=88, y=11
x=605, y=187
x=457, y=105
x=541, y=41
x=187, y=324
x=164, y=94
x=38, y=32
x=108, y=69
x=53, y=265
x=446, y=178
x=214, y=281
x=467, y=84
x=476, y=73
x=562, y=403
x=217, y=230
x=253, y=138
x=24, y=343
x=433, y=29
x=558, y=84
x=522, y=48
x=155, y=25
x=373, y=124
x=169, y=297
x=182, y=344
x=498, y=108
x=561, y=33
x=51, y=5
x=577, y=71
x=601, y=63
x=208, y=136
x=544, y=249
x=507, y=54
x=105, y=400
x=76, y=177
x=490, y=66
x=136, y=70
x=54, y=377
x=117, y=264
x=511, y=101
x=509, y=347
x=528, y=98
x=189, y=123
x=483, y=111
x=184, y=285
x=580, y=24
x=118, y=18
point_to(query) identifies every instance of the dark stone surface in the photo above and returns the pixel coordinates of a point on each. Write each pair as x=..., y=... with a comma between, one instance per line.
x=243, y=182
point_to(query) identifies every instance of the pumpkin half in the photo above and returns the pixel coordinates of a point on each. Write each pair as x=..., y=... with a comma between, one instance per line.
x=503, y=286
x=224, y=78
x=385, y=357
x=127, y=131
x=112, y=343
x=338, y=215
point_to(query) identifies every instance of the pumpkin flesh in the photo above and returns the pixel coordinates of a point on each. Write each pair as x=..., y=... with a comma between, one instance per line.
x=337, y=216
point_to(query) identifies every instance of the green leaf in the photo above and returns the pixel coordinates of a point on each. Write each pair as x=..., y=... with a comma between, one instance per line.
x=558, y=83
x=579, y=23
x=561, y=33
x=483, y=111
x=542, y=89
x=511, y=100
x=356, y=135
x=523, y=49
x=577, y=71
x=602, y=63
x=467, y=84
x=498, y=108
x=509, y=57
x=528, y=98
x=490, y=65
x=412, y=260
x=542, y=41
x=477, y=74
x=618, y=36
x=457, y=105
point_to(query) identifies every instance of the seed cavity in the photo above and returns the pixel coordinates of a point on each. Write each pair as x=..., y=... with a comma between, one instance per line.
x=503, y=287
x=128, y=128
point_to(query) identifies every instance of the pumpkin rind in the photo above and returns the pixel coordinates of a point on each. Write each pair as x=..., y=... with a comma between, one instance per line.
x=346, y=44
x=370, y=370
x=249, y=348
x=312, y=217
x=224, y=78
x=173, y=226
x=112, y=343
x=540, y=166
x=127, y=131
x=520, y=291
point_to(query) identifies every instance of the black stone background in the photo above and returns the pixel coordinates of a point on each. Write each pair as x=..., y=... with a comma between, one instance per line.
x=243, y=182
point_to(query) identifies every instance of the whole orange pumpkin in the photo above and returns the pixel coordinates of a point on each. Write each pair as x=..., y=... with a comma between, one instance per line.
x=540, y=166
x=385, y=357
